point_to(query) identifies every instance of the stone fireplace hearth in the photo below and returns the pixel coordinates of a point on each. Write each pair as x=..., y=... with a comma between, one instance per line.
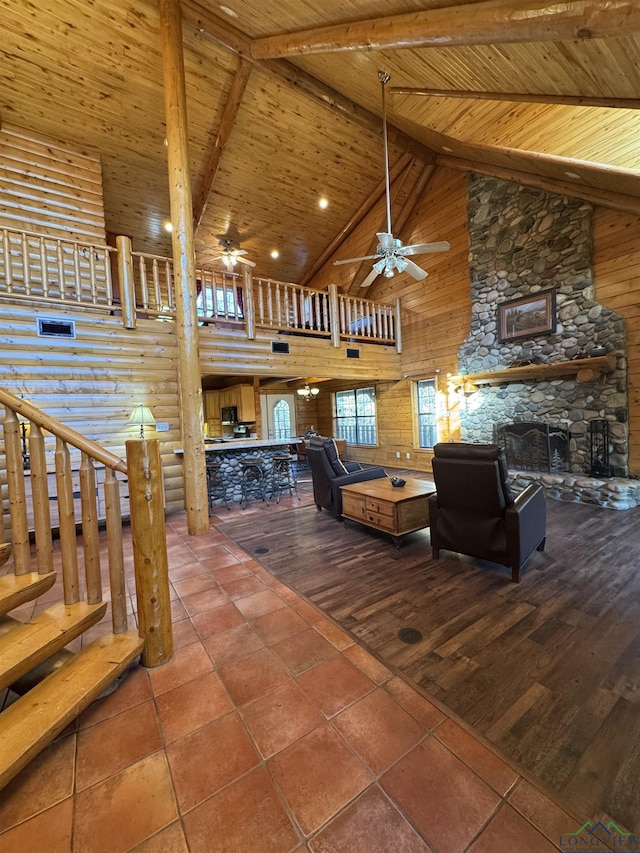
x=524, y=241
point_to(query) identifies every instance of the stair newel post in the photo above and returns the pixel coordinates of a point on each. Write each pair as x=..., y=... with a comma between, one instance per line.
x=150, y=550
x=17, y=494
x=67, y=522
x=90, y=533
x=117, y=582
x=40, y=495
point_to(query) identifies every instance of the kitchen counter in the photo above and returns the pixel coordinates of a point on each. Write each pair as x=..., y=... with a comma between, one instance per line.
x=244, y=444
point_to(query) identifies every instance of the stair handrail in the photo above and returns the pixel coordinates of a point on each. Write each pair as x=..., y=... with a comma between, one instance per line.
x=66, y=433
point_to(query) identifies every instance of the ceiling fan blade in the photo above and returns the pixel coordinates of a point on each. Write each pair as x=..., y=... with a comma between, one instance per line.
x=354, y=260
x=386, y=241
x=237, y=252
x=373, y=275
x=245, y=261
x=415, y=271
x=423, y=248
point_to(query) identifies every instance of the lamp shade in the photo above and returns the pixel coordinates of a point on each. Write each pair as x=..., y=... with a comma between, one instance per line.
x=142, y=416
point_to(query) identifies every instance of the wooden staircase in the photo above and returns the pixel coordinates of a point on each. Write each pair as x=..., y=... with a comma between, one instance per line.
x=55, y=684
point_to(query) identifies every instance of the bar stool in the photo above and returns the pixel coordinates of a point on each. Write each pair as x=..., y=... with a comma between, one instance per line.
x=216, y=486
x=253, y=480
x=283, y=476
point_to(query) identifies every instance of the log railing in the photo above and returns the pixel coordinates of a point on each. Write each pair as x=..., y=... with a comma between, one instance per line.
x=146, y=497
x=51, y=270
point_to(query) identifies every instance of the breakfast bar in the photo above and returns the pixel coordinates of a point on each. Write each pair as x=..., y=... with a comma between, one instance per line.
x=232, y=452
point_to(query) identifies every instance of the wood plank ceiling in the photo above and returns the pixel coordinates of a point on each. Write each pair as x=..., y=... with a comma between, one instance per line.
x=297, y=128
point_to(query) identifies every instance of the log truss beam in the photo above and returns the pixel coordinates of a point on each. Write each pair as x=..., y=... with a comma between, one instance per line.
x=491, y=22
x=227, y=121
x=520, y=97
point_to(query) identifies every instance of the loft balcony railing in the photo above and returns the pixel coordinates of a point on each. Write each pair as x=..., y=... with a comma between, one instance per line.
x=42, y=269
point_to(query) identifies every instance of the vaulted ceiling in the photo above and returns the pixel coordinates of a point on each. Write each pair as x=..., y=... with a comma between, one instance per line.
x=284, y=105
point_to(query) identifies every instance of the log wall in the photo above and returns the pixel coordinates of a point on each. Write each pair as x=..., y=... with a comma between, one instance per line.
x=92, y=382
x=50, y=188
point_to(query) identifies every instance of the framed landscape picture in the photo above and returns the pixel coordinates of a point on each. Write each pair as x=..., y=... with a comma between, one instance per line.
x=527, y=316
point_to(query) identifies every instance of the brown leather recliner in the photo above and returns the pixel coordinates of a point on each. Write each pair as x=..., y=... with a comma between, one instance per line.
x=473, y=511
x=329, y=472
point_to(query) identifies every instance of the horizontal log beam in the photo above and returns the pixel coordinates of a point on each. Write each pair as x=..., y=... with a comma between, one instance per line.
x=493, y=22
x=565, y=100
x=603, y=198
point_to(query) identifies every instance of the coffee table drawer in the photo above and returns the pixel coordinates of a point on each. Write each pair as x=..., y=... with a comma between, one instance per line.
x=379, y=507
x=384, y=522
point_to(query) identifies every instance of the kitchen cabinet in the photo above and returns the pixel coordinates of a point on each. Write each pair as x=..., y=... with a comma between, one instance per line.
x=246, y=403
x=240, y=396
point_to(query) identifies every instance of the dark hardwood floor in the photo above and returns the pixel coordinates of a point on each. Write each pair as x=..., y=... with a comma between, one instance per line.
x=548, y=670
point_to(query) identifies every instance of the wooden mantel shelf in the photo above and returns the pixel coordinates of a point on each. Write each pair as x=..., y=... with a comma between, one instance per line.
x=584, y=369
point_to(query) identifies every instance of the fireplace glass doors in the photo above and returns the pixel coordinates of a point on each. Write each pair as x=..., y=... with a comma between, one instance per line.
x=532, y=446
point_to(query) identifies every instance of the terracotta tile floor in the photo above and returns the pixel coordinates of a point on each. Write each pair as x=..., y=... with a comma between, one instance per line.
x=269, y=731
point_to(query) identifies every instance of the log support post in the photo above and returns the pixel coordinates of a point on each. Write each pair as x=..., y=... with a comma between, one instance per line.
x=334, y=315
x=150, y=559
x=249, y=313
x=184, y=256
x=126, y=282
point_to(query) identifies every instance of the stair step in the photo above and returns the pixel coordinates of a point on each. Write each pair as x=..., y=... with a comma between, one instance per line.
x=34, y=720
x=17, y=589
x=25, y=644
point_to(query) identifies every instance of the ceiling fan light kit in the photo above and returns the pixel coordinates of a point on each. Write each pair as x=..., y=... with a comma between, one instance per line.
x=232, y=254
x=390, y=256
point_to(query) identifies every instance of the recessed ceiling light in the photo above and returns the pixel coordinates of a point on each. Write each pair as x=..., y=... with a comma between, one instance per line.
x=275, y=254
x=323, y=203
x=228, y=11
x=573, y=175
x=447, y=149
x=168, y=227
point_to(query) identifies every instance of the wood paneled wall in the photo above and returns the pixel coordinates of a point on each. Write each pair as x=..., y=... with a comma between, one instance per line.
x=616, y=268
x=436, y=314
x=50, y=188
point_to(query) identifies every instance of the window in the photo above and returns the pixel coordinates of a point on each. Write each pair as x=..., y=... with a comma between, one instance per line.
x=356, y=416
x=427, y=421
x=281, y=420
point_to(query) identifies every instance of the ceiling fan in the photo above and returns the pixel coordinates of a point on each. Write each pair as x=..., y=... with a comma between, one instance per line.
x=231, y=253
x=391, y=255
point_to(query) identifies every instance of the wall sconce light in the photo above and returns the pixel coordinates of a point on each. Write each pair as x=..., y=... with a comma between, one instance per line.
x=307, y=392
x=142, y=415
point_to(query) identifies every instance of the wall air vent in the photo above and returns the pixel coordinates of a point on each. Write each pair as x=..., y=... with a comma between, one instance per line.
x=49, y=327
x=353, y=353
x=278, y=346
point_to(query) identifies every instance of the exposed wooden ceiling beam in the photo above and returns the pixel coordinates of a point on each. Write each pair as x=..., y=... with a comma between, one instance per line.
x=603, y=198
x=231, y=39
x=567, y=100
x=227, y=121
x=399, y=166
x=492, y=22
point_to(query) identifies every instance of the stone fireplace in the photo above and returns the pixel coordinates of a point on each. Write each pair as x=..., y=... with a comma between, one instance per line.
x=525, y=241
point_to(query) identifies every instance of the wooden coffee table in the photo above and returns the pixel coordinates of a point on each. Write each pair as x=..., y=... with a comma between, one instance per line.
x=380, y=505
